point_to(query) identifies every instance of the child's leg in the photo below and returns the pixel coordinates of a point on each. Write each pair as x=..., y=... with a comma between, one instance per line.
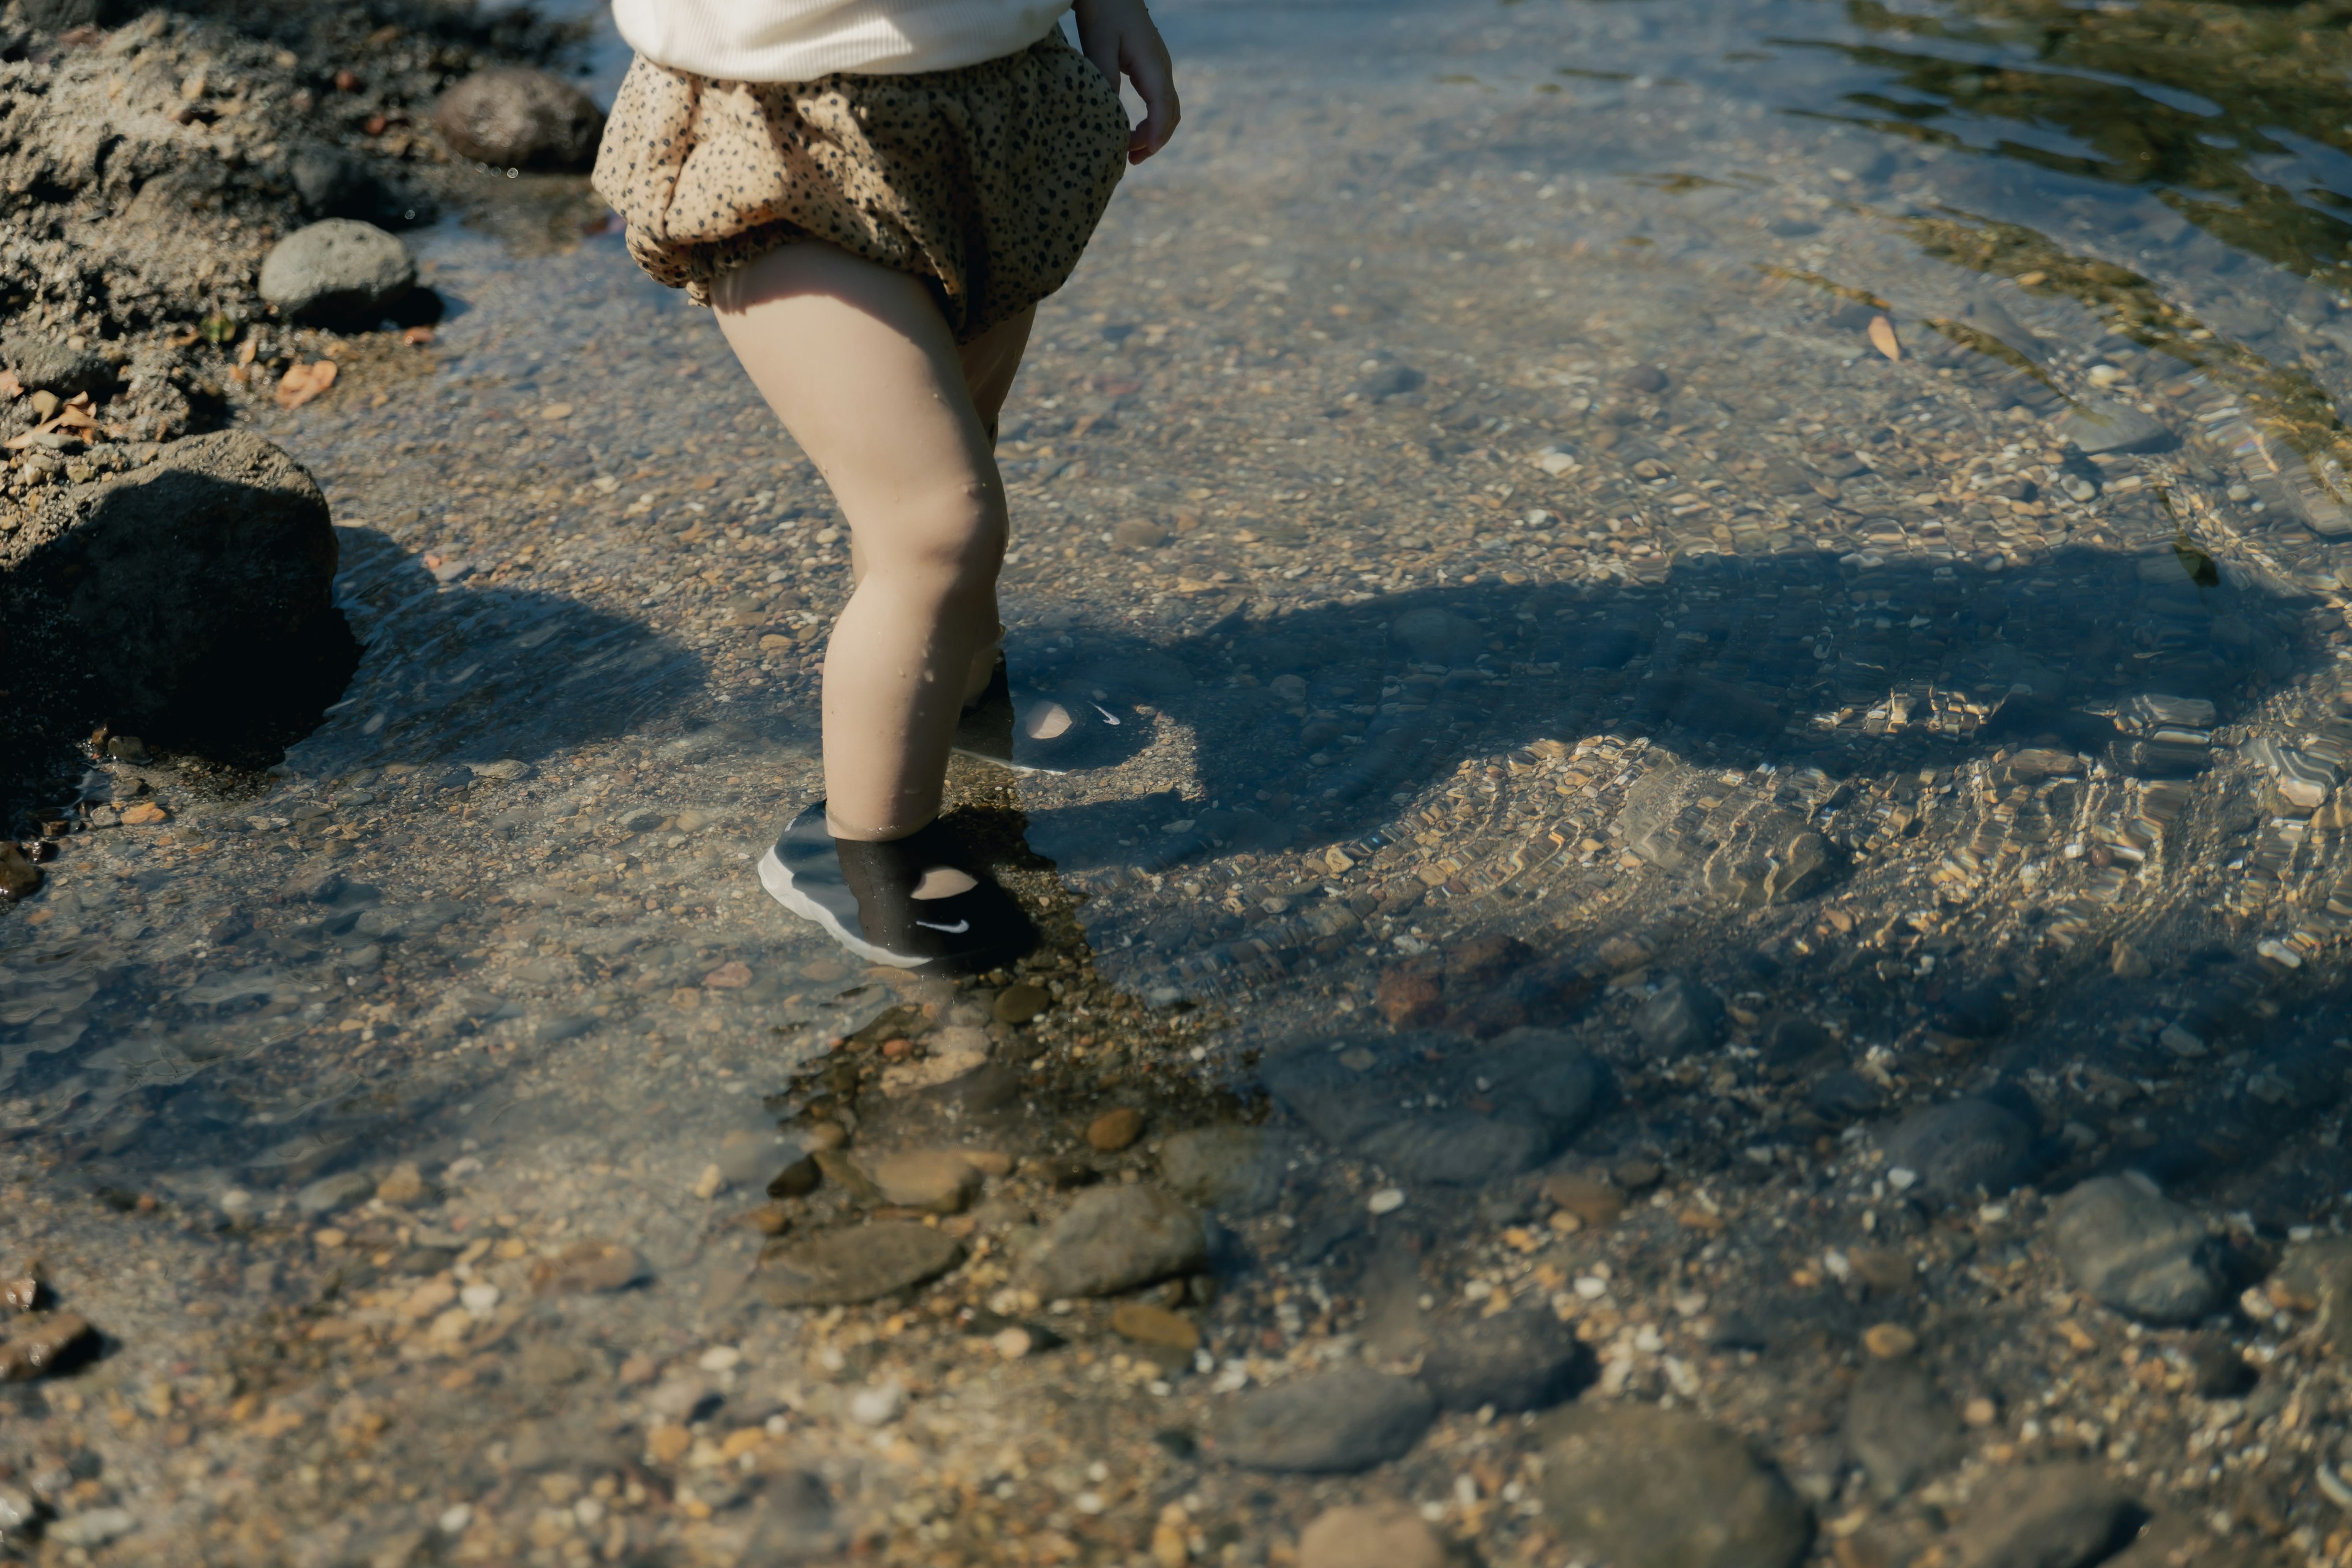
x=990, y=362
x=858, y=364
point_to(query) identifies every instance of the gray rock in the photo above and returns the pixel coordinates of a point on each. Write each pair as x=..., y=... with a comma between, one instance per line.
x=1526, y=1360
x=329, y=1194
x=2050, y=1516
x=1961, y=1147
x=1683, y=1017
x=1541, y=1087
x=1229, y=1170
x=1631, y=1483
x=46, y=364
x=1432, y=636
x=515, y=119
x=338, y=271
x=793, y=1521
x=2098, y=424
x=1899, y=1427
x=2137, y=1251
x=1116, y=1239
x=333, y=182
x=215, y=561
x=843, y=1266
x=1334, y=1423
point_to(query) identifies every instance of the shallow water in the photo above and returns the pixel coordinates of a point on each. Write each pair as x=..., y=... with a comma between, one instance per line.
x=1795, y=550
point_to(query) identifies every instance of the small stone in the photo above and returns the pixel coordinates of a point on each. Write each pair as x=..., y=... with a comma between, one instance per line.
x=1597, y=1203
x=1963, y=1146
x=1387, y=1200
x=1629, y=1482
x=1116, y=1238
x=1140, y=534
x=2048, y=1516
x=1151, y=1325
x=46, y=1346
x=586, y=1267
x=667, y=1443
x=2128, y=963
x=2099, y=425
x=1889, y=1342
x=1013, y=1343
x=1229, y=1169
x=481, y=1298
x=43, y=364
x=1114, y=1130
x=338, y=272
x=1333, y=1423
x=842, y=1267
x=1374, y=1535
x=1521, y=1360
x=402, y=1185
x=878, y=1405
x=329, y=1194
x=1979, y=1412
x=1898, y=1427
x=708, y=1183
x=1019, y=1003
x=940, y=1181
x=95, y=1528
x=2136, y=1251
x=515, y=119
x=1683, y=1017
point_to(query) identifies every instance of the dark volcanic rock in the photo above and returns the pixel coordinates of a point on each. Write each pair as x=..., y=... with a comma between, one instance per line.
x=1334, y=1423
x=171, y=583
x=1514, y=1361
x=1503, y=1107
x=519, y=120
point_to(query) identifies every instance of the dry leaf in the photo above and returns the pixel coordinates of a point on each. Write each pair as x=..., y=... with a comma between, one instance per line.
x=1882, y=338
x=10, y=388
x=302, y=383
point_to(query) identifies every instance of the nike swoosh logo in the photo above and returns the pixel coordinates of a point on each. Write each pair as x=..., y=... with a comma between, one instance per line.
x=1108, y=717
x=956, y=929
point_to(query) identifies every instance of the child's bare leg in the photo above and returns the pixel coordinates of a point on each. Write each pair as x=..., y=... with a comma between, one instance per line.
x=990, y=362
x=858, y=364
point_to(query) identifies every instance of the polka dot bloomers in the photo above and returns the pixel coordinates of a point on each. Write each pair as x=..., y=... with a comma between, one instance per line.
x=985, y=181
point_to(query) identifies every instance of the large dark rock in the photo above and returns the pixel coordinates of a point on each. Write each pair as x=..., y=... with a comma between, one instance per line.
x=1525, y=1360
x=846, y=1267
x=2137, y=1251
x=198, y=581
x=519, y=120
x=1963, y=1147
x=1116, y=1239
x=2050, y=1516
x=1627, y=1482
x=1501, y=1109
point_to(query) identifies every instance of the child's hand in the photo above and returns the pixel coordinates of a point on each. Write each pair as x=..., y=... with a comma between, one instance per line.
x=1118, y=35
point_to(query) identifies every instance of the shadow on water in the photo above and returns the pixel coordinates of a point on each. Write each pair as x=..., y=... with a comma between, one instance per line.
x=146, y=1058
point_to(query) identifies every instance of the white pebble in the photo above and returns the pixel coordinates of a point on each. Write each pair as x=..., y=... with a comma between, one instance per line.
x=456, y=1517
x=1013, y=1343
x=1591, y=1288
x=877, y=1407
x=720, y=1358
x=1388, y=1200
x=480, y=1298
x=1902, y=1178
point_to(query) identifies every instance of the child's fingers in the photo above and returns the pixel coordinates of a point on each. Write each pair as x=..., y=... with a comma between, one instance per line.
x=1147, y=65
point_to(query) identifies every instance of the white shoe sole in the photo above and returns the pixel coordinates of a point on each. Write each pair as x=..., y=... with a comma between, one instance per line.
x=779, y=885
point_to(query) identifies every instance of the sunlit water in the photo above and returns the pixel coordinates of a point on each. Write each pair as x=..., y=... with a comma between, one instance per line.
x=1829, y=512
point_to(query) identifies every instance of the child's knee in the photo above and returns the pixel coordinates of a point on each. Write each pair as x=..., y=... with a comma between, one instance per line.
x=956, y=538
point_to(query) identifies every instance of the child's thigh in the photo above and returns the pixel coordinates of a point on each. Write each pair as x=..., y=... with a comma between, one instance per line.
x=858, y=361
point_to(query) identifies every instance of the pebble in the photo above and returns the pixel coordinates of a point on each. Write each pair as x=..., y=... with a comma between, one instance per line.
x=1596, y=1203
x=1370, y=1535
x=2048, y=1516
x=404, y=1183
x=587, y=1268
x=1889, y=1342
x=940, y=1181
x=515, y=119
x=1019, y=1003
x=1228, y=1169
x=1337, y=1422
x=1114, y=1130
x=877, y=1405
x=1683, y=1017
x=1899, y=1427
x=2098, y=424
x=42, y=364
x=1961, y=1147
x=1116, y=1239
x=1521, y=1360
x=1140, y=534
x=339, y=270
x=2136, y=1251
x=1151, y=1325
x=1629, y=1482
x=19, y=877
x=45, y=1346
x=845, y=1267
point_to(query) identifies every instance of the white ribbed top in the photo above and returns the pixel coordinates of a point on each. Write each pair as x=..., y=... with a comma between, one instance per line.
x=800, y=40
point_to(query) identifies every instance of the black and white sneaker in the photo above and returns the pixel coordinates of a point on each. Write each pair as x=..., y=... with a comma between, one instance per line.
x=916, y=902
x=1033, y=731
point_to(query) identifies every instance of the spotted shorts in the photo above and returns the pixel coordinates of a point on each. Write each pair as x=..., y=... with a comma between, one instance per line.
x=984, y=181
